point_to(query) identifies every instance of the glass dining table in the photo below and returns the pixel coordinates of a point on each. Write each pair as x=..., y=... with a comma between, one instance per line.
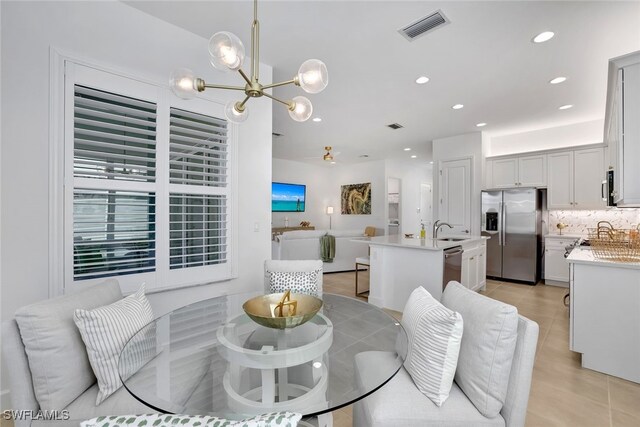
x=210, y=358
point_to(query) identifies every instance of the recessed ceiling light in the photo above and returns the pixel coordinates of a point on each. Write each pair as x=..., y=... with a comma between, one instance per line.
x=317, y=119
x=422, y=80
x=543, y=37
x=430, y=163
x=481, y=124
x=557, y=80
x=333, y=163
x=565, y=107
x=457, y=106
x=407, y=149
x=414, y=156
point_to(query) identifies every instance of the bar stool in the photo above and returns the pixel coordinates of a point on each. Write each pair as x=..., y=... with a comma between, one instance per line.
x=365, y=260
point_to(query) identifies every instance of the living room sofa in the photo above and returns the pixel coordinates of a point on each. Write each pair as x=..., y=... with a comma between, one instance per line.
x=305, y=244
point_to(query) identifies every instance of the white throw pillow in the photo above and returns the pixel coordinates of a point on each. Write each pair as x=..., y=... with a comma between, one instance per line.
x=298, y=282
x=488, y=345
x=105, y=331
x=274, y=419
x=434, y=333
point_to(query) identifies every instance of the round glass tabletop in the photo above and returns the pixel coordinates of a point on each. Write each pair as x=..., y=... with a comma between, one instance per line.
x=209, y=358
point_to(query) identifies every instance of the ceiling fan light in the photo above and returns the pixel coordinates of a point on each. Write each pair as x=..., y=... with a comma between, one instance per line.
x=226, y=51
x=183, y=83
x=301, y=109
x=234, y=115
x=313, y=76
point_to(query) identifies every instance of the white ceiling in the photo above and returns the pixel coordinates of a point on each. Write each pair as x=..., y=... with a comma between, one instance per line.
x=483, y=59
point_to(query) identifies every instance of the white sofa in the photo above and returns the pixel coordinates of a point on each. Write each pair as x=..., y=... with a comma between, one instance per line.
x=305, y=244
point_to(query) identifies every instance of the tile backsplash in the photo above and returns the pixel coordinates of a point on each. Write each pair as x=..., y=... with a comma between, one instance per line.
x=579, y=222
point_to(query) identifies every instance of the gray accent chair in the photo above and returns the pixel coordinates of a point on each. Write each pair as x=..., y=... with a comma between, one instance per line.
x=400, y=404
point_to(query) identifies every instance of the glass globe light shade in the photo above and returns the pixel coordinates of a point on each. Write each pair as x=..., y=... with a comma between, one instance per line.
x=302, y=109
x=233, y=115
x=226, y=51
x=313, y=76
x=183, y=83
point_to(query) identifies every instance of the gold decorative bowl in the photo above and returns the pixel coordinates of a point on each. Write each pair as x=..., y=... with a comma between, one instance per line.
x=265, y=310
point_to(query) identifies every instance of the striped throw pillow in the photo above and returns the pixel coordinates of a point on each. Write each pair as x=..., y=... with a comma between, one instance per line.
x=105, y=331
x=435, y=334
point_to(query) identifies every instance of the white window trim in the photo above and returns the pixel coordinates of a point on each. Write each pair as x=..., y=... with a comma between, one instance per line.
x=57, y=146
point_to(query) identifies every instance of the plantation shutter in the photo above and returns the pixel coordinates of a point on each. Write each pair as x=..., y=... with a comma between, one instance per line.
x=198, y=211
x=114, y=150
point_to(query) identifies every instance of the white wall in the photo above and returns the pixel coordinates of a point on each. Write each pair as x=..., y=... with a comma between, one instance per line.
x=317, y=198
x=583, y=133
x=115, y=34
x=456, y=147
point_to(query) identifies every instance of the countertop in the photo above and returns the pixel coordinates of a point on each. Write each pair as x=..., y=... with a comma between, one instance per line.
x=564, y=236
x=416, y=243
x=585, y=256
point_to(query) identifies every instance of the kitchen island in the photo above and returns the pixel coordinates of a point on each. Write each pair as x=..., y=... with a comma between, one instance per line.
x=604, y=319
x=398, y=265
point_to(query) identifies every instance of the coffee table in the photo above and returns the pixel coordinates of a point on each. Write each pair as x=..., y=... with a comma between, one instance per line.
x=209, y=358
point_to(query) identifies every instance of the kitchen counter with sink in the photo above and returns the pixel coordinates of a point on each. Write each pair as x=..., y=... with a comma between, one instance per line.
x=398, y=265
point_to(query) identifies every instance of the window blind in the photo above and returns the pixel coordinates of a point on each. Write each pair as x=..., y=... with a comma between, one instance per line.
x=113, y=233
x=114, y=136
x=197, y=149
x=197, y=230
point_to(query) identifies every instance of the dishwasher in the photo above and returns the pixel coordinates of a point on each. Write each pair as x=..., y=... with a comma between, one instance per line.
x=452, y=265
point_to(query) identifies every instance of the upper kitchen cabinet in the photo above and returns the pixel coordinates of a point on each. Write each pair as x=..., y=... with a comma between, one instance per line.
x=513, y=172
x=622, y=127
x=575, y=179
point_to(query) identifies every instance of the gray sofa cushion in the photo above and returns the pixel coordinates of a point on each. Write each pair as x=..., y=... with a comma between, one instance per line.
x=58, y=361
x=400, y=404
x=487, y=348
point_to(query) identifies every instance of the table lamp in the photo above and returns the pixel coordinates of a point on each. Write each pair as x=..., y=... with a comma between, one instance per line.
x=329, y=212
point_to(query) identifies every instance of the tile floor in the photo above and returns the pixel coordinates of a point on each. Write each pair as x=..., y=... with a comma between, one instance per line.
x=562, y=392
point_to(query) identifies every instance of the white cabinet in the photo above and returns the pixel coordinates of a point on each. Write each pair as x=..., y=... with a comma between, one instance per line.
x=560, y=181
x=532, y=171
x=575, y=179
x=588, y=173
x=521, y=171
x=505, y=173
x=455, y=195
x=474, y=267
x=622, y=127
x=556, y=267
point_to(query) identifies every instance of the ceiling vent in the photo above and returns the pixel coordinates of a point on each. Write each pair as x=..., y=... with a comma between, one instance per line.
x=276, y=135
x=424, y=25
x=395, y=126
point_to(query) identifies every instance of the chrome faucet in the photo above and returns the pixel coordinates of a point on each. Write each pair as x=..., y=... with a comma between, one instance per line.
x=436, y=227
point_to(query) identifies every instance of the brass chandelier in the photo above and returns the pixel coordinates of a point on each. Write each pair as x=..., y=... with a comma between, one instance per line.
x=227, y=53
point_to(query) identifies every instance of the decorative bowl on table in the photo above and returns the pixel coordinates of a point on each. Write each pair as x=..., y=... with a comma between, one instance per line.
x=408, y=235
x=282, y=310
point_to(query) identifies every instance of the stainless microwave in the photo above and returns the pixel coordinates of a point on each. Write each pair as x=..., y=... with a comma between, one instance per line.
x=608, y=189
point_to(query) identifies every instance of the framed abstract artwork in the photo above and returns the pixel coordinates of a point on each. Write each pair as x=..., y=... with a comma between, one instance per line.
x=356, y=199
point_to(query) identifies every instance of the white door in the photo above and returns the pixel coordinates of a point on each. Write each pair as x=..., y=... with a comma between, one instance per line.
x=455, y=196
x=532, y=171
x=588, y=172
x=505, y=173
x=556, y=266
x=560, y=181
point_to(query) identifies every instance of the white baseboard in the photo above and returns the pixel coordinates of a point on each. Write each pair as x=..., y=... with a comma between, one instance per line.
x=4, y=400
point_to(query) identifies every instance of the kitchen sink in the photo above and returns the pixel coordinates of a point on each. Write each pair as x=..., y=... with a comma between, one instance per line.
x=451, y=239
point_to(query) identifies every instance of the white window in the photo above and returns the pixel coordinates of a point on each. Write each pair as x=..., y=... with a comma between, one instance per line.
x=147, y=194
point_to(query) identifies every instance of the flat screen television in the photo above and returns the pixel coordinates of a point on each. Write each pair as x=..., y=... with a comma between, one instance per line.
x=287, y=197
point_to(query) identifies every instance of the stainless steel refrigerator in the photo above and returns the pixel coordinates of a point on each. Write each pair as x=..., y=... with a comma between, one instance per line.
x=512, y=220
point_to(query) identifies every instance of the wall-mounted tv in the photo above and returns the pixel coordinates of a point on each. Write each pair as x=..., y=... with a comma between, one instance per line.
x=287, y=197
